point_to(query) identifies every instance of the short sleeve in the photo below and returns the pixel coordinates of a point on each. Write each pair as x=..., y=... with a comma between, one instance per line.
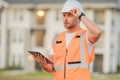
x=90, y=45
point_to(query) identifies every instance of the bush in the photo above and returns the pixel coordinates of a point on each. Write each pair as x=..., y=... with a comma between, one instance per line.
x=119, y=69
x=13, y=68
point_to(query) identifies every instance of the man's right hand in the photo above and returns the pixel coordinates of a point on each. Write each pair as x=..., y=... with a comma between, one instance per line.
x=43, y=63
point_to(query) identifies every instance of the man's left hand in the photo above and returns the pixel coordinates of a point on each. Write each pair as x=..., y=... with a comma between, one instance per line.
x=76, y=12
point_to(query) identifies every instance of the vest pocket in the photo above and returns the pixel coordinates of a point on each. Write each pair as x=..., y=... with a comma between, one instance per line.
x=74, y=62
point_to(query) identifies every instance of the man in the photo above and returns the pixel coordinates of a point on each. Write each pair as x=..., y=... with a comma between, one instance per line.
x=74, y=49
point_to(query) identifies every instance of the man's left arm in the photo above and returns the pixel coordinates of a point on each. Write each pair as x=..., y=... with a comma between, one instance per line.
x=94, y=32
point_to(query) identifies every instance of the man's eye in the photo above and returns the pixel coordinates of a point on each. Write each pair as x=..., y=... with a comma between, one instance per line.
x=69, y=14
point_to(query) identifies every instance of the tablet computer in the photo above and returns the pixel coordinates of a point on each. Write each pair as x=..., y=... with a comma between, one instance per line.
x=48, y=60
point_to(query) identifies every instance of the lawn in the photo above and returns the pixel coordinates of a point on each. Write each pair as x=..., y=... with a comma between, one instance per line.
x=48, y=76
x=28, y=76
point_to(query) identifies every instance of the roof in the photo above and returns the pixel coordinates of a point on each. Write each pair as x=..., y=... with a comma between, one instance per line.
x=57, y=1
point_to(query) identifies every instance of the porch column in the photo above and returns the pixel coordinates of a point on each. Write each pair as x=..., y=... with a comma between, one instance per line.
x=107, y=42
x=3, y=55
x=29, y=61
x=90, y=15
x=116, y=41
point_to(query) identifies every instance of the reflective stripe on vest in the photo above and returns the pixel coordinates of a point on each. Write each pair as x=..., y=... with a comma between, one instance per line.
x=83, y=63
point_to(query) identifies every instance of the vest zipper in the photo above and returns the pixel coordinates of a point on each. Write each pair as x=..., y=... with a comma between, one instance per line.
x=65, y=65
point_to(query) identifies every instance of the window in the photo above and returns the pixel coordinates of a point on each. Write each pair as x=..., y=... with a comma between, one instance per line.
x=40, y=20
x=0, y=16
x=98, y=63
x=18, y=15
x=58, y=15
x=15, y=15
x=99, y=17
x=14, y=37
x=20, y=37
x=38, y=38
x=17, y=36
x=40, y=17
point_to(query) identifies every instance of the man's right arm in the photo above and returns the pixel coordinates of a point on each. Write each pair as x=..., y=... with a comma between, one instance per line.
x=49, y=67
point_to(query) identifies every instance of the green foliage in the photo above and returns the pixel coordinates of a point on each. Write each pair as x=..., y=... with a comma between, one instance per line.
x=13, y=68
x=119, y=69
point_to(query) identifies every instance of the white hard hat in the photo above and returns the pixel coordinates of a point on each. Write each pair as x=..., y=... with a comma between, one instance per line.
x=70, y=4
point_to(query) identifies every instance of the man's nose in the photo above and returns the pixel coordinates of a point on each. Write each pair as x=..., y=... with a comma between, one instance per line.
x=65, y=18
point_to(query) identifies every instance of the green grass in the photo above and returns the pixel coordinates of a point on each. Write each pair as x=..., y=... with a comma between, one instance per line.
x=106, y=77
x=40, y=74
x=48, y=76
x=1, y=72
x=29, y=76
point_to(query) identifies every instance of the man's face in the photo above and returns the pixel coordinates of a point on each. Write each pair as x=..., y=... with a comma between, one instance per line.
x=69, y=20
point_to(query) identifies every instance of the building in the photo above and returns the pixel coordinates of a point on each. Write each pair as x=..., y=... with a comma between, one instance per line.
x=31, y=24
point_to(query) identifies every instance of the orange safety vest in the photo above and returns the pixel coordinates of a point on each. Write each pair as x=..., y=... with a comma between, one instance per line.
x=72, y=63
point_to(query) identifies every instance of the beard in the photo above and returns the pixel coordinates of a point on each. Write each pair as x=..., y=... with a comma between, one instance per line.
x=67, y=25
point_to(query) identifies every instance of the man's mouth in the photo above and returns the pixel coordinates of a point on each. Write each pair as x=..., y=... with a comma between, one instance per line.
x=66, y=22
